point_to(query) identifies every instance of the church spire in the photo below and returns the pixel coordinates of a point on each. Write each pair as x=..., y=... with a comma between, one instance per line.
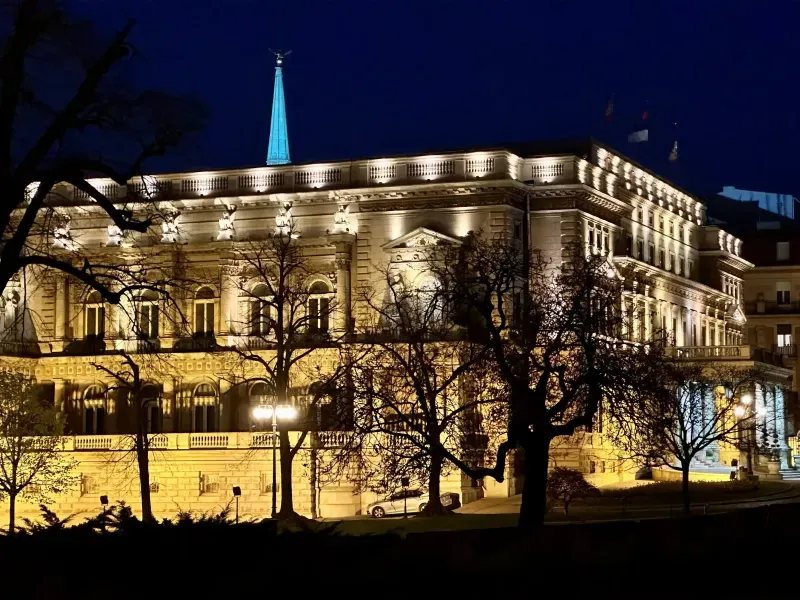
x=278, y=151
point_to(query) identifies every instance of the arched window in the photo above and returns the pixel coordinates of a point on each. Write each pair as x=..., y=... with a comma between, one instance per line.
x=260, y=311
x=430, y=299
x=260, y=395
x=204, y=401
x=95, y=316
x=204, y=312
x=319, y=307
x=151, y=400
x=94, y=410
x=147, y=316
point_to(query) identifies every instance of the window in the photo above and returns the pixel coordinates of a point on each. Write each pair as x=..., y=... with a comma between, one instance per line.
x=94, y=410
x=679, y=266
x=204, y=401
x=517, y=229
x=651, y=253
x=319, y=302
x=661, y=262
x=690, y=272
x=606, y=247
x=266, y=483
x=209, y=484
x=640, y=214
x=151, y=400
x=148, y=316
x=782, y=250
x=88, y=485
x=260, y=311
x=204, y=312
x=661, y=224
x=95, y=316
x=672, y=228
x=651, y=219
x=784, y=295
x=640, y=249
x=784, y=336
x=671, y=261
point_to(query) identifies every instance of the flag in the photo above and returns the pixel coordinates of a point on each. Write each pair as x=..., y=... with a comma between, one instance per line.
x=610, y=109
x=673, y=155
x=641, y=133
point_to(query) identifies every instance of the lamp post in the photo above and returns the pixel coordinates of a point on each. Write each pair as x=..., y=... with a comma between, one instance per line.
x=284, y=412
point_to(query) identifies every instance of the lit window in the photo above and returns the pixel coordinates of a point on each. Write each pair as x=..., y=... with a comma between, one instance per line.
x=783, y=250
x=148, y=316
x=319, y=307
x=151, y=401
x=784, y=336
x=784, y=294
x=94, y=410
x=204, y=401
x=95, y=316
x=260, y=311
x=204, y=312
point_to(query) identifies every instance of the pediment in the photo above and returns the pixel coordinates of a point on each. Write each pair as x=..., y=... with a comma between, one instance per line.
x=420, y=237
x=736, y=313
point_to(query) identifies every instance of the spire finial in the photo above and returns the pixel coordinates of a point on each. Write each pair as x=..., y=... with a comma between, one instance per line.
x=280, y=55
x=278, y=150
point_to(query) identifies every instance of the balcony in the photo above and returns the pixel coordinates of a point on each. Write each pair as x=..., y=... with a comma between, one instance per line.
x=789, y=350
x=764, y=307
x=245, y=440
x=729, y=353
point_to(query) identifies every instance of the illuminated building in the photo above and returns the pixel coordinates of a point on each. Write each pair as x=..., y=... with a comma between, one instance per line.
x=683, y=276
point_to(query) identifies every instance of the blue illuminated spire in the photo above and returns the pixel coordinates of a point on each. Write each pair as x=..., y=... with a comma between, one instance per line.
x=278, y=151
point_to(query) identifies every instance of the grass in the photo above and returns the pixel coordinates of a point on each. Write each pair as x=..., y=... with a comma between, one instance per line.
x=640, y=502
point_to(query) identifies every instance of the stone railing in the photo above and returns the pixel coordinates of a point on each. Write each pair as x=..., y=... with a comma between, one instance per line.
x=363, y=173
x=95, y=442
x=198, y=441
x=699, y=352
x=208, y=440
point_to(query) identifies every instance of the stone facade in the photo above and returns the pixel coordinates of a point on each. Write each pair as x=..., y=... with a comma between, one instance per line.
x=682, y=276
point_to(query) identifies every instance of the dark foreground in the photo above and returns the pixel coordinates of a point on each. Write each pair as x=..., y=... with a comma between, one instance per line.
x=740, y=553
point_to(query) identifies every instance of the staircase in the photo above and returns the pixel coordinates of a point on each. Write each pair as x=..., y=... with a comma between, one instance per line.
x=790, y=475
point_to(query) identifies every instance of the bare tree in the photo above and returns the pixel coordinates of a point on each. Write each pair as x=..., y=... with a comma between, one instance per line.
x=552, y=331
x=421, y=407
x=287, y=341
x=568, y=485
x=694, y=408
x=31, y=465
x=67, y=114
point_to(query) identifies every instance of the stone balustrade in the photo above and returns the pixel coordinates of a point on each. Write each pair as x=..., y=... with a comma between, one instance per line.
x=197, y=441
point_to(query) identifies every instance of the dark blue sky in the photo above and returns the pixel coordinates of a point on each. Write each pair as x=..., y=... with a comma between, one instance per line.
x=377, y=77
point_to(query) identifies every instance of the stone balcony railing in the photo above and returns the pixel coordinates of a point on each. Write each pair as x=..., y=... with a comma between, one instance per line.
x=492, y=164
x=727, y=353
x=200, y=441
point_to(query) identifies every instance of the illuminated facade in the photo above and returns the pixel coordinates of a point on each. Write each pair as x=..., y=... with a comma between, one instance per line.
x=682, y=277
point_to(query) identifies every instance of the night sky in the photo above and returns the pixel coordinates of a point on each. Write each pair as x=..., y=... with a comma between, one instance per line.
x=374, y=77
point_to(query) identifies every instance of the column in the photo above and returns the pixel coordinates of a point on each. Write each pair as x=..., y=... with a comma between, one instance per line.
x=227, y=295
x=61, y=309
x=780, y=427
x=168, y=405
x=648, y=324
x=343, y=291
x=60, y=396
x=225, y=404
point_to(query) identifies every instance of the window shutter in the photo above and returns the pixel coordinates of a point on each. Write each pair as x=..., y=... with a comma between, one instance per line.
x=199, y=322
x=101, y=420
x=324, y=313
x=101, y=321
x=210, y=319
x=313, y=316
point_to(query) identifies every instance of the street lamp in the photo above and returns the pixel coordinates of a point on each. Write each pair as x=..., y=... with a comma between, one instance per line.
x=274, y=412
x=740, y=411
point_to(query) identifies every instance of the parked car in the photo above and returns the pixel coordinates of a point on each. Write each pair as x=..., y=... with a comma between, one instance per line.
x=409, y=501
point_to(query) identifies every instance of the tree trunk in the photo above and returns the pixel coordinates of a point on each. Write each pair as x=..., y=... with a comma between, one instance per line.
x=434, y=505
x=287, y=504
x=534, y=489
x=313, y=478
x=143, y=461
x=12, y=513
x=685, y=487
